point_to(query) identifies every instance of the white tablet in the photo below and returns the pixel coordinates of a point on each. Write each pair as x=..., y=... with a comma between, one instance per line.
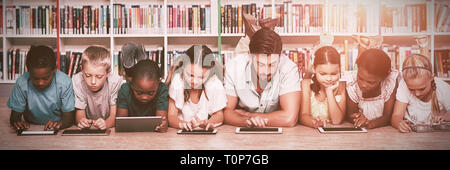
x=198, y=131
x=245, y=130
x=342, y=130
x=36, y=132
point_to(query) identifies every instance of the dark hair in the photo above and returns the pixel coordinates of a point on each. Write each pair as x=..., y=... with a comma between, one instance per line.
x=146, y=69
x=198, y=58
x=324, y=55
x=265, y=41
x=375, y=61
x=41, y=57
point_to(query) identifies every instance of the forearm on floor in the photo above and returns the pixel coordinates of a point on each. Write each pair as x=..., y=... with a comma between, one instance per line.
x=67, y=119
x=15, y=117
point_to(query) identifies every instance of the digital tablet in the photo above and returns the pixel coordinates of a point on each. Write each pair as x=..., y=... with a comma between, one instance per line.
x=36, y=132
x=342, y=130
x=137, y=124
x=245, y=130
x=198, y=131
x=86, y=132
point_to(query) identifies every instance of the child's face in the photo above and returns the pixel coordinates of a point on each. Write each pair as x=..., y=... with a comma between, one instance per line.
x=195, y=75
x=94, y=76
x=366, y=81
x=144, y=90
x=420, y=87
x=327, y=74
x=265, y=65
x=41, y=77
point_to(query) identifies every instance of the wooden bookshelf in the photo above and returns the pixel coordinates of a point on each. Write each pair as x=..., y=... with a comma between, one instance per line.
x=215, y=39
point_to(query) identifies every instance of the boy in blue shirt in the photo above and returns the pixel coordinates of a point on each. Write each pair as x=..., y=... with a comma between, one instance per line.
x=43, y=95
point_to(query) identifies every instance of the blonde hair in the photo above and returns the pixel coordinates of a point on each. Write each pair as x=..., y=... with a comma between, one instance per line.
x=416, y=66
x=97, y=55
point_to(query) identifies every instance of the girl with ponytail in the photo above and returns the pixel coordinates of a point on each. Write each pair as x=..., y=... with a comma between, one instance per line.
x=196, y=95
x=323, y=96
x=422, y=99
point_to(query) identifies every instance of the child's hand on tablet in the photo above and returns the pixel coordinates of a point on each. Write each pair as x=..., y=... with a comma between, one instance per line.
x=164, y=125
x=20, y=125
x=85, y=123
x=186, y=125
x=319, y=122
x=50, y=125
x=100, y=124
x=17, y=122
x=404, y=126
x=359, y=120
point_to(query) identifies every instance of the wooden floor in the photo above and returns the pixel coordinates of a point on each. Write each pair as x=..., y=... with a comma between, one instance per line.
x=296, y=138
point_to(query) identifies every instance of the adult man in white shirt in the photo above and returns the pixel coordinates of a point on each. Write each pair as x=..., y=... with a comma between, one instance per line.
x=263, y=87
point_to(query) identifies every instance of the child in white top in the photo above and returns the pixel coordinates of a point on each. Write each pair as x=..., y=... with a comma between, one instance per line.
x=196, y=95
x=371, y=90
x=421, y=98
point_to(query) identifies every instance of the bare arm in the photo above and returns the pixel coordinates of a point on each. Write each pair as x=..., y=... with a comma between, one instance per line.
x=387, y=112
x=121, y=112
x=287, y=116
x=111, y=120
x=173, y=114
x=79, y=114
x=352, y=108
x=305, y=113
x=164, y=124
x=336, y=110
x=216, y=118
x=231, y=116
x=17, y=122
x=67, y=119
x=398, y=113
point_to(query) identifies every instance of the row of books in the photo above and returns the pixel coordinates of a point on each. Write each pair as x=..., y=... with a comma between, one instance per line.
x=154, y=55
x=405, y=18
x=70, y=62
x=442, y=63
x=442, y=19
x=232, y=16
x=302, y=57
x=348, y=57
x=137, y=19
x=299, y=18
x=15, y=61
x=351, y=18
x=84, y=20
x=31, y=20
x=189, y=19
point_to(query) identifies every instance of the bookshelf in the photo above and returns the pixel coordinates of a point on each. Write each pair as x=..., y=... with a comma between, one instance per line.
x=340, y=18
